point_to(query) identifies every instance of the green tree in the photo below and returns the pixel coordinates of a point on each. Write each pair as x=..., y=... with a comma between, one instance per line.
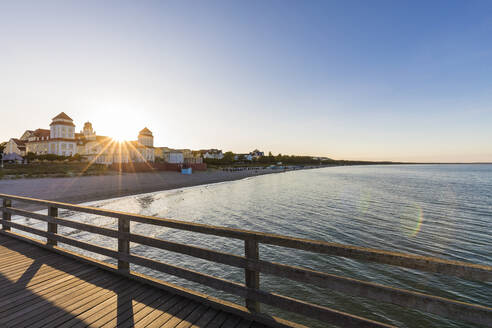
x=30, y=156
x=76, y=157
x=2, y=147
x=228, y=157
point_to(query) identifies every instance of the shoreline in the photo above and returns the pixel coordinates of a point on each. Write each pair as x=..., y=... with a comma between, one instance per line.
x=76, y=190
x=83, y=189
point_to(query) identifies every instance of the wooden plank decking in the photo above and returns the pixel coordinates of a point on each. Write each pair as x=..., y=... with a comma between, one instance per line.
x=39, y=288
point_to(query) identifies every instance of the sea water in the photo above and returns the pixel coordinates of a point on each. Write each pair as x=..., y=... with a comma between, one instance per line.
x=443, y=211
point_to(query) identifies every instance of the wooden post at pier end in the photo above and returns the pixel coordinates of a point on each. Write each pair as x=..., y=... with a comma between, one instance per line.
x=6, y=216
x=123, y=242
x=52, y=226
x=252, y=278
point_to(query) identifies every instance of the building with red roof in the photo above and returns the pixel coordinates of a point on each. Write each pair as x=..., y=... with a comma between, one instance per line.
x=61, y=139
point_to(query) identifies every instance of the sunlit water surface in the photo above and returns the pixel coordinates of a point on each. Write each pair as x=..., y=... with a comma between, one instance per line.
x=435, y=210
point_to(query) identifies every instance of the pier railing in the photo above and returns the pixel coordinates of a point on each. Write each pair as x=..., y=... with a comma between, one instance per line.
x=253, y=265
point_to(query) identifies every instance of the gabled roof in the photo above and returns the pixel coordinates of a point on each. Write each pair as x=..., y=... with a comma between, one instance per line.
x=26, y=134
x=145, y=131
x=62, y=116
x=18, y=142
x=21, y=144
x=42, y=133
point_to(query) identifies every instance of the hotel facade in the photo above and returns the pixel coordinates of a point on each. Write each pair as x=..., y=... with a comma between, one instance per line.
x=61, y=139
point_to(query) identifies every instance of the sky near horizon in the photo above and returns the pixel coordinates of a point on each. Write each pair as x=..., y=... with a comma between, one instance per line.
x=370, y=80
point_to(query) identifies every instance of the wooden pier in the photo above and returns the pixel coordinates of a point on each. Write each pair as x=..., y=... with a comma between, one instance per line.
x=40, y=288
x=43, y=284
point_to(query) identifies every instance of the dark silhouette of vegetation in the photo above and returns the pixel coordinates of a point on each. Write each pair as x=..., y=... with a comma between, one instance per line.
x=229, y=160
x=228, y=156
x=53, y=169
x=31, y=157
x=2, y=147
x=76, y=158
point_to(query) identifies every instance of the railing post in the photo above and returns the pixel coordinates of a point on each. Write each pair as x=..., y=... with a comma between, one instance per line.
x=52, y=226
x=252, y=278
x=123, y=242
x=6, y=216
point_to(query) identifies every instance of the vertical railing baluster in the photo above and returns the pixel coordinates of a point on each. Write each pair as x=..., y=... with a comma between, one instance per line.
x=252, y=278
x=52, y=226
x=123, y=242
x=6, y=216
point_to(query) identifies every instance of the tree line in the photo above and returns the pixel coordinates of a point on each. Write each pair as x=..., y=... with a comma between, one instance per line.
x=270, y=159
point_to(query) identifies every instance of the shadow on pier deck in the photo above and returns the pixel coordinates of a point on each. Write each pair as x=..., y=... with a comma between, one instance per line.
x=43, y=284
x=39, y=288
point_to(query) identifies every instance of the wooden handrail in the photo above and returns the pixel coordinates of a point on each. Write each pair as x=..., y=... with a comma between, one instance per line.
x=254, y=266
x=460, y=269
x=6, y=203
x=52, y=226
x=420, y=301
x=321, y=313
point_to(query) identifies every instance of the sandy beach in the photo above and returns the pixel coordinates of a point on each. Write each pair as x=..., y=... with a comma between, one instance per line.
x=90, y=188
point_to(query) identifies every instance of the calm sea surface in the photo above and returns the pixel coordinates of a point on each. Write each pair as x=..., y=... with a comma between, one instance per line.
x=436, y=210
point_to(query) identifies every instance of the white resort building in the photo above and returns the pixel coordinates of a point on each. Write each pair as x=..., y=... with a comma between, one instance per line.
x=62, y=136
x=61, y=139
x=15, y=146
x=178, y=156
x=104, y=150
x=212, y=153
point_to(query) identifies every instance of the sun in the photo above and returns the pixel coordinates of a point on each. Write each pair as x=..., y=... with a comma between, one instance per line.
x=119, y=138
x=119, y=120
x=119, y=133
x=118, y=127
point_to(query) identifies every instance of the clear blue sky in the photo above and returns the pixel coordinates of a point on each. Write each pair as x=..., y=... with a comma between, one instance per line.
x=377, y=80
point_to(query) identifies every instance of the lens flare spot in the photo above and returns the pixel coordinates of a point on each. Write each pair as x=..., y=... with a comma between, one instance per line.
x=364, y=202
x=418, y=226
x=411, y=219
